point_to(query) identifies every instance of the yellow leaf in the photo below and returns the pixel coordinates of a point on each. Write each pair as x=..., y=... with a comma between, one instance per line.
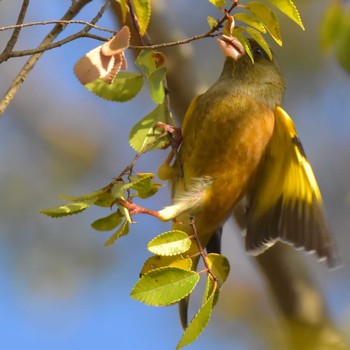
x=218, y=3
x=288, y=8
x=268, y=18
x=331, y=26
x=237, y=32
x=250, y=20
x=124, y=9
x=143, y=13
x=212, y=22
x=157, y=261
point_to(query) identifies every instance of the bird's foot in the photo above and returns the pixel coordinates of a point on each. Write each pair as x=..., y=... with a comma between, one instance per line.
x=135, y=209
x=175, y=132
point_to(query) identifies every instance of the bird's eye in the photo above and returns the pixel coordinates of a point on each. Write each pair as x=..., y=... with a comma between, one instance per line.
x=258, y=52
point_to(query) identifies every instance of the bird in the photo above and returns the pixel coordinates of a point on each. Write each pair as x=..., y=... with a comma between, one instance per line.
x=240, y=149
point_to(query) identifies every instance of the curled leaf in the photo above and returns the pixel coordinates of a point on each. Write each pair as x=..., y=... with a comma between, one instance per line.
x=159, y=58
x=229, y=25
x=104, y=61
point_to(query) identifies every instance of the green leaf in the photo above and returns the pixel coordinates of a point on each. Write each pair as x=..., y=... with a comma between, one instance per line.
x=258, y=37
x=212, y=22
x=122, y=231
x=151, y=191
x=143, y=13
x=157, y=261
x=288, y=8
x=107, y=223
x=105, y=200
x=218, y=3
x=210, y=288
x=237, y=32
x=331, y=25
x=144, y=186
x=155, y=83
x=144, y=133
x=219, y=266
x=198, y=323
x=170, y=243
x=124, y=87
x=268, y=18
x=118, y=190
x=65, y=210
x=164, y=286
x=140, y=183
x=87, y=198
x=342, y=45
x=145, y=62
x=250, y=20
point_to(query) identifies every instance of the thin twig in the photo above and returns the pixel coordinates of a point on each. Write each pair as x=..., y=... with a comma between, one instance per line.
x=42, y=49
x=96, y=37
x=172, y=43
x=201, y=249
x=73, y=10
x=210, y=33
x=14, y=37
x=56, y=21
x=149, y=146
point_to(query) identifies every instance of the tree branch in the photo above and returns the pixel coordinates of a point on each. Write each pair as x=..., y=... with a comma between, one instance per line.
x=73, y=10
x=14, y=37
x=55, y=21
x=42, y=49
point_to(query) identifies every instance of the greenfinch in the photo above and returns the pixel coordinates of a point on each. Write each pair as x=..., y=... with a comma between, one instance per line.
x=240, y=146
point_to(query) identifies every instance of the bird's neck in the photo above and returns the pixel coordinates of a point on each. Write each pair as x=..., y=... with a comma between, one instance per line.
x=242, y=80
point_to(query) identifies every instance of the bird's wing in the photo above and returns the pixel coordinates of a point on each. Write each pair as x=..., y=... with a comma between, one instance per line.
x=285, y=202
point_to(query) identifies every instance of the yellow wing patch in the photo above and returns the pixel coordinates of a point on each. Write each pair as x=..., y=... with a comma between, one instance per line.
x=285, y=202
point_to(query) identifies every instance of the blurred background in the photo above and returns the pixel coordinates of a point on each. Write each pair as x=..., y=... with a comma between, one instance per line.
x=60, y=287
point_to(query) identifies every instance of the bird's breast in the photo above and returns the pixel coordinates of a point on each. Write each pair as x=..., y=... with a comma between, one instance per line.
x=224, y=139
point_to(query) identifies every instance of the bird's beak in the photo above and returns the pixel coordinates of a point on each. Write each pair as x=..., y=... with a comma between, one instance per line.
x=231, y=47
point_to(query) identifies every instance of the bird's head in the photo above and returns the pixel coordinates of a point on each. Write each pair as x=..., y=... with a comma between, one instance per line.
x=262, y=79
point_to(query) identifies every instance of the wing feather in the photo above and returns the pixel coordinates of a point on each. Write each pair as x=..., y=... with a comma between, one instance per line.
x=285, y=202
